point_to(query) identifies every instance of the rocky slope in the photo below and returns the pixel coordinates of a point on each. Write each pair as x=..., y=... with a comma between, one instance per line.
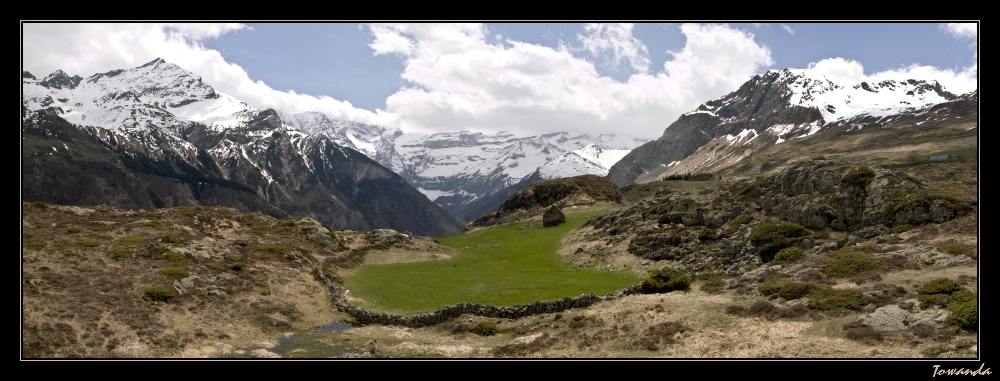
x=535, y=198
x=781, y=113
x=104, y=282
x=157, y=136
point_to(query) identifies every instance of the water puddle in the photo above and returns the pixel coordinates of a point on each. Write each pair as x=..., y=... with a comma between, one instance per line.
x=322, y=342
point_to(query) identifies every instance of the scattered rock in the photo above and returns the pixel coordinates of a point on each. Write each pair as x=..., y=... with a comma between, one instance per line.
x=278, y=318
x=553, y=217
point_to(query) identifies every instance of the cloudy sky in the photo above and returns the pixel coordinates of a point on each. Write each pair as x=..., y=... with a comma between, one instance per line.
x=632, y=79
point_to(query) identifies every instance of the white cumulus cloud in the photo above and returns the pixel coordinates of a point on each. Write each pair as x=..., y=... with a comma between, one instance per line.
x=616, y=40
x=462, y=81
x=962, y=30
x=87, y=49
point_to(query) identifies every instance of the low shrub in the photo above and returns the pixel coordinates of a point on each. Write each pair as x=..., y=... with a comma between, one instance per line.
x=707, y=234
x=175, y=272
x=39, y=205
x=87, y=243
x=241, y=243
x=939, y=286
x=713, y=285
x=216, y=267
x=271, y=248
x=120, y=253
x=958, y=249
x=788, y=255
x=785, y=289
x=34, y=245
x=858, y=331
x=174, y=257
x=169, y=239
x=942, y=300
x=665, y=280
x=202, y=218
x=160, y=294
x=770, y=238
x=827, y=298
x=73, y=230
x=860, y=177
x=899, y=229
x=485, y=328
x=964, y=310
x=849, y=263
x=771, y=287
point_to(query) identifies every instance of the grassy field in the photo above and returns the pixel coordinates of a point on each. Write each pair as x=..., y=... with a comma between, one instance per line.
x=503, y=265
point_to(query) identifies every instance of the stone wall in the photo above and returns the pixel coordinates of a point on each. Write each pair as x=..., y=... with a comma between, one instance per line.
x=364, y=316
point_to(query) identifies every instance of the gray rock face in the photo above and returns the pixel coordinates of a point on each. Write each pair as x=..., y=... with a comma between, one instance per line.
x=893, y=318
x=553, y=217
x=887, y=319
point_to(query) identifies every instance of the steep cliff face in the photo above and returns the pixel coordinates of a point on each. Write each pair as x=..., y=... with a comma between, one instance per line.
x=174, y=141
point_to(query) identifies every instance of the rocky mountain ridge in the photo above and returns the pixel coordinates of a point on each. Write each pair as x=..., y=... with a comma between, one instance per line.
x=158, y=136
x=468, y=172
x=786, y=111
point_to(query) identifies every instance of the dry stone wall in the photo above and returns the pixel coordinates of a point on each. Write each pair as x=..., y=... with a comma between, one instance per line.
x=364, y=316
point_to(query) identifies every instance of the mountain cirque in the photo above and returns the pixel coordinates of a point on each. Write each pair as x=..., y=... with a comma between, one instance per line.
x=157, y=136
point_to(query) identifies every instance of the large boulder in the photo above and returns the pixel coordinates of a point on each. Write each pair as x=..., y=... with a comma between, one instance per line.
x=553, y=217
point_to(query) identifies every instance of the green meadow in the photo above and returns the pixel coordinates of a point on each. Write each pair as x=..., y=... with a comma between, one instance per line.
x=504, y=265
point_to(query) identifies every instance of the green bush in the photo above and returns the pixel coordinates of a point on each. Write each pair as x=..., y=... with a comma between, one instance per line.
x=827, y=298
x=939, y=286
x=771, y=287
x=849, y=263
x=174, y=257
x=169, y=239
x=964, y=310
x=899, y=229
x=271, y=248
x=486, y=328
x=858, y=178
x=216, y=267
x=785, y=289
x=788, y=255
x=120, y=253
x=175, y=272
x=202, y=218
x=73, y=230
x=770, y=238
x=706, y=234
x=160, y=294
x=34, y=245
x=665, y=280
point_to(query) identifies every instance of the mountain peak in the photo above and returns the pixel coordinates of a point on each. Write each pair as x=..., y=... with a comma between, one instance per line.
x=59, y=79
x=154, y=62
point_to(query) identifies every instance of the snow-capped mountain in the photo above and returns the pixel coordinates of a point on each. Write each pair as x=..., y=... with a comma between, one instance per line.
x=455, y=169
x=157, y=135
x=773, y=110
